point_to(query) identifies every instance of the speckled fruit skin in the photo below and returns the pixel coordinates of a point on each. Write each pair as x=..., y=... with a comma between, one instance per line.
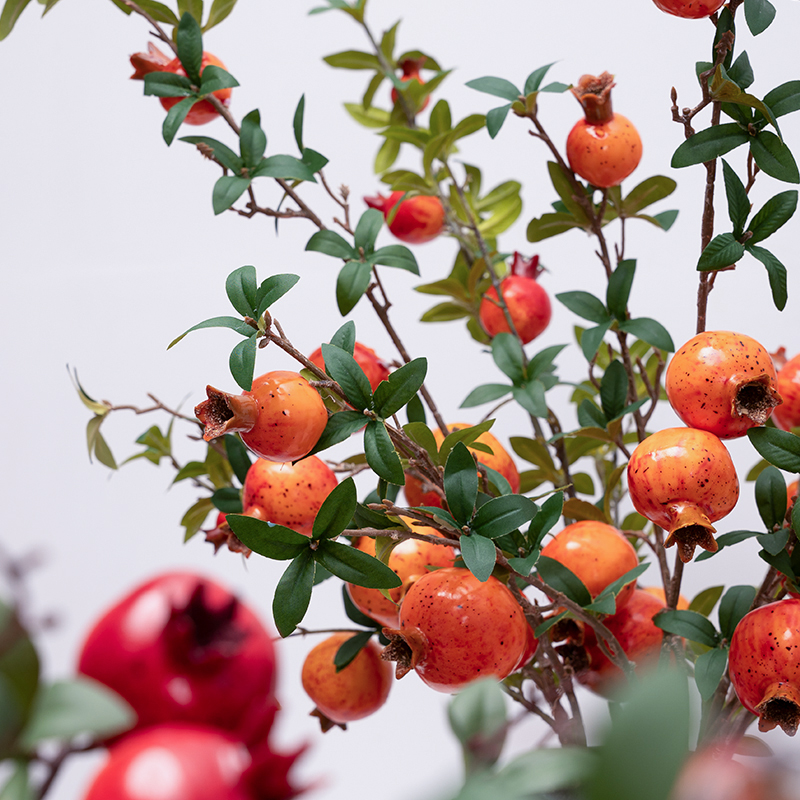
x=418, y=220
x=190, y=762
x=604, y=154
x=764, y=664
x=202, y=112
x=498, y=460
x=597, y=553
x=787, y=415
x=279, y=419
x=712, y=379
x=182, y=648
x=638, y=636
x=409, y=560
x=359, y=690
x=528, y=305
x=683, y=479
x=366, y=358
x=287, y=494
x=460, y=629
x=690, y=9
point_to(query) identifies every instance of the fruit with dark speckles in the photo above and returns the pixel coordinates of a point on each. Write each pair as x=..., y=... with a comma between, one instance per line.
x=604, y=147
x=683, y=479
x=764, y=664
x=722, y=382
x=280, y=418
x=354, y=692
x=454, y=629
x=287, y=494
x=690, y=9
x=787, y=415
x=597, y=553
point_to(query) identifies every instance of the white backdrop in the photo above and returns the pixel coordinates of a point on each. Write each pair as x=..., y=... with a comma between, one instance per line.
x=110, y=249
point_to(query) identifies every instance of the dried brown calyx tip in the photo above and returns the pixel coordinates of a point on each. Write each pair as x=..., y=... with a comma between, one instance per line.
x=226, y=413
x=568, y=630
x=326, y=723
x=594, y=95
x=151, y=61
x=756, y=399
x=575, y=657
x=223, y=536
x=780, y=706
x=690, y=528
x=399, y=651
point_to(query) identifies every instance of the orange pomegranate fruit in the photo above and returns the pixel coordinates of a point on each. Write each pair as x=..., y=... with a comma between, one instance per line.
x=417, y=220
x=683, y=479
x=787, y=415
x=604, y=147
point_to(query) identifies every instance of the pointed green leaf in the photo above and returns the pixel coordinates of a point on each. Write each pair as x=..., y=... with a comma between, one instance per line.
x=355, y=566
x=531, y=396
x=242, y=362
x=709, y=144
x=381, y=455
x=775, y=213
x=340, y=426
x=499, y=87
x=351, y=284
x=501, y=515
x=734, y=605
x=252, y=139
x=401, y=386
x=780, y=448
x=336, y=511
x=397, y=256
x=689, y=624
x=585, y=305
x=330, y=243
x=233, y=323
x=241, y=288
x=614, y=390
x=461, y=483
x=344, y=369
x=508, y=355
x=227, y=190
x=486, y=393
x=293, y=593
x=592, y=338
x=648, y=192
x=563, y=580
x=774, y=157
x=189, y=40
x=271, y=541
x=175, y=117
x=495, y=119
x=759, y=15
x=708, y=671
x=286, y=167
x=367, y=229
x=221, y=152
x=619, y=289
x=650, y=331
x=479, y=555
x=272, y=289
x=738, y=201
x=353, y=59
x=220, y=10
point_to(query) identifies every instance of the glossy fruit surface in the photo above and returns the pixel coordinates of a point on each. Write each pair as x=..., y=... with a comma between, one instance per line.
x=287, y=494
x=690, y=9
x=409, y=560
x=764, y=664
x=180, y=761
x=638, y=636
x=604, y=147
x=455, y=629
x=411, y=68
x=355, y=692
x=597, y=553
x=366, y=358
x=498, y=460
x=722, y=382
x=417, y=220
x=183, y=648
x=527, y=302
x=787, y=415
x=683, y=479
x=279, y=419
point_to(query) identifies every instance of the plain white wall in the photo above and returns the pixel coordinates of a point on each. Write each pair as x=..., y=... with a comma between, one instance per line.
x=110, y=249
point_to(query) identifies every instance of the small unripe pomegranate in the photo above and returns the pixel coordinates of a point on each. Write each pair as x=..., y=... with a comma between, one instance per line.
x=411, y=68
x=410, y=561
x=636, y=633
x=764, y=665
x=683, y=479
x=722, y=382
x=366, y=358
x=527, y=302
x=604, y=147
x=787, y=416
x=455, y=629
x=597, y=553
x=280, y=418
x=355, y=692
x=690, y=9
x=792, y=492
x=659, y=593
x=287, y=494
x=155, y=61
x=499, y=460
x=418, y=220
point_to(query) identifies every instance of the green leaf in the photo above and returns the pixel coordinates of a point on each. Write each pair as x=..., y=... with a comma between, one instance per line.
x=386, y=156
x=353, y=59
x=395, y=255
x=242, y=362
x=585, y=305
x=563, y=580
x=17, y=787
x=722, y=251
x=771, y=497
x=241, y=288
x=466, y=435
x=592, y=338
x=370, y=117
x=252, y=139
x=775, y=213
x=531, y=397
x=783, y=99
x=648, y=192
x=689, y=624
x=352, y=282
x=344, y=369
x=336, y=512
x=563, y=186
x=228, y=500
x=501, y=515
x=350, y=648
x=355, y=566
x=479, y=555
x=486, y=393
x=550, y=225
x=10, y=14
x=381, y=455
x=340, y=426
x=508, y=355
x=216, y=78
x=444, y=312
x=367, y=230
x=271, y=541
x=534, y=80
x=478, y=713
x=420, y=433
x=708, y=671
x=461, y=483
x=704, y=602
x=233, y=323
x=286, y=167
x=773, y=543
x=167, y=84
x=726, y=540
x=615, y=587
x=665, y=220
x=220, y=10
x=774, y=157
x=189, y=41
x=227, y=190
x=68, y=709
x=619, y=289
x=733, y=606
x=650, y=331
x=738, y=201
x=330, y=243
x=272, y=289
x=780, y=448
x=543, y=362
x=293, y=593
x=499, y=87
x=543, y=522
x=175, y=117
x=709, y=144
x=194, y=518
x=614, y=390
x=776, y=272
x=400, y=387
x=158, y=11
x=495, y=119
x=759, y=15
x=220, y=151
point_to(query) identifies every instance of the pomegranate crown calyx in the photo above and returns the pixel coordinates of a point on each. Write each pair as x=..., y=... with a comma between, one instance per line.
x=412, y=66
x=594, y=95
x=226, y=413
x=526, y=267
x=151, y=61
